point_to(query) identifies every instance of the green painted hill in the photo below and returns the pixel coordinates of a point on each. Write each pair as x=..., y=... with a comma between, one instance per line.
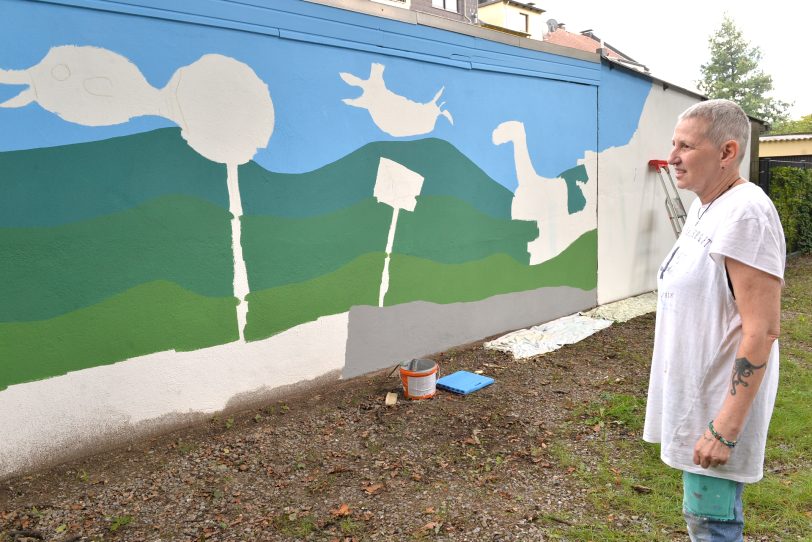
x=59, y=185
x=415, y=279
x=121, y=248
x=418, y=279
x=282, y=251
x=347, y=181
x=56, y=270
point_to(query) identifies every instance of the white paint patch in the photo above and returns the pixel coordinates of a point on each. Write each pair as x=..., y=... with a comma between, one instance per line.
x=390, y=241
x=396, y=115
x=225, y=111
x=87, y=85
x=53, y=417
x=545, y=201
x=634, y=232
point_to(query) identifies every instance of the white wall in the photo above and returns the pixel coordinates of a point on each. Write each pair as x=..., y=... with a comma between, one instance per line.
x=634, y=233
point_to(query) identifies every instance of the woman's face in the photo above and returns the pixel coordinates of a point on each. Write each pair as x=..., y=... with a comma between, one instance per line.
x=696, y=160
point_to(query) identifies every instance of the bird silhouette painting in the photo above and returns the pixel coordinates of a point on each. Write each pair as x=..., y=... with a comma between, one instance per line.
x=543, y=200
x=394, y=114
x=223, y=108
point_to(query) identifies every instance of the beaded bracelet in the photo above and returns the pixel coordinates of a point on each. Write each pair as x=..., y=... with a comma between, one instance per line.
x=720, y=438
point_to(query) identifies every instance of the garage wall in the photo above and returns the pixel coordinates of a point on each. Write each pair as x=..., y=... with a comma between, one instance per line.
x=206, y=206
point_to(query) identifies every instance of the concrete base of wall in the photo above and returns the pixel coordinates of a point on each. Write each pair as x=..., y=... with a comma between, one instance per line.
x=384, y=336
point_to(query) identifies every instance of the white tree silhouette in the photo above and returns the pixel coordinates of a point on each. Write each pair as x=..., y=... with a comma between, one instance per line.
x=224, y=111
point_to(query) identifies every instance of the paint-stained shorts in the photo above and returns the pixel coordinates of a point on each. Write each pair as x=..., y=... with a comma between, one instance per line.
x=712, y=508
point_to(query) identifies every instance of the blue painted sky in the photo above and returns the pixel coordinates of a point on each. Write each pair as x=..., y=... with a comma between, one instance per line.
x=313, y=126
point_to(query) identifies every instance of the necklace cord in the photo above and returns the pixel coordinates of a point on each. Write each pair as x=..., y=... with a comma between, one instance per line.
x=702, y=212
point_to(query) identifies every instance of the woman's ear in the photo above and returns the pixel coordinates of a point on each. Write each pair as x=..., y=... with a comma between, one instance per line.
x=730, y=152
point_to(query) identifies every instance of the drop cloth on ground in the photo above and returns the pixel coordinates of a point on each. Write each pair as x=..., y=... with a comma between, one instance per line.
x=526, y=343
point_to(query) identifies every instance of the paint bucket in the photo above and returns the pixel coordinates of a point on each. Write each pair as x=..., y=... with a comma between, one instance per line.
x=419, y=378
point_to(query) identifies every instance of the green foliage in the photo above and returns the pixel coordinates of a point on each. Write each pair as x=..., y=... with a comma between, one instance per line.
x=624, y=409
x=800, y=126
x=295, y=525
x=733, y=73
x=117, y=522
x=791, y=191
x=634, y=497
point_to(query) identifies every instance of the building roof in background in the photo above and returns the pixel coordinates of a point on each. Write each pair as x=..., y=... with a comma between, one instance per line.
x=580, y=41
x=587, y=41
x=787, y=137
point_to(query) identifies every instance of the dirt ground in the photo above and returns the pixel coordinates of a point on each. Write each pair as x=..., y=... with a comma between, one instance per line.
x=518, y=460
x=340, y=465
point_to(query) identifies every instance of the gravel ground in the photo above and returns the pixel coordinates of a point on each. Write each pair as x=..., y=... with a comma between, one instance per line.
x=340, y=465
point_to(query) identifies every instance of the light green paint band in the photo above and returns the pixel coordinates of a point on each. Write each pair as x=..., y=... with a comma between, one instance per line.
x=411, y=279
x=277, y=309
x=148, y=318
x=415, y=279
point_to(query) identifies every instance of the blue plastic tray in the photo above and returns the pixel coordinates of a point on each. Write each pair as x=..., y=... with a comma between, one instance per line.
x=463, y=382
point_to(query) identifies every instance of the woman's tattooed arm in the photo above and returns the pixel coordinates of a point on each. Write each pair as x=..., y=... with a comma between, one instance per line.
x=742, y=369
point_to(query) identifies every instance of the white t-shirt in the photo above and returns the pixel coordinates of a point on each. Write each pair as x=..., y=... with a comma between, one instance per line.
x=698, y=331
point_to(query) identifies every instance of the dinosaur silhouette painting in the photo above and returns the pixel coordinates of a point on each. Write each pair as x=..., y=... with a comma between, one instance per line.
x=544, y=200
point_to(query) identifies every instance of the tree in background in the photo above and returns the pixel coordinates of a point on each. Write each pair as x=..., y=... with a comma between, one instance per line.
x=800, y=126
x=733, y=73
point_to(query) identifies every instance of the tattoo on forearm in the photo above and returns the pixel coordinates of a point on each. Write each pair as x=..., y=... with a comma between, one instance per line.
x=743, y=369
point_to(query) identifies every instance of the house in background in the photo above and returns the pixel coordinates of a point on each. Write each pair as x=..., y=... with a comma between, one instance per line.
x=586, y=40
x=526, y=20
x=458, y=10
x=793, y=150
x=519, y=18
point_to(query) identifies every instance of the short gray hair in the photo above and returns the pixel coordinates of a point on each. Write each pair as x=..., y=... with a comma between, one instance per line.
x=726, y=121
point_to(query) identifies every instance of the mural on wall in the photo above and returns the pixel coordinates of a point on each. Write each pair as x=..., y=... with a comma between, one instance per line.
x=130, y=244
x=224, y=111
x=366, y=231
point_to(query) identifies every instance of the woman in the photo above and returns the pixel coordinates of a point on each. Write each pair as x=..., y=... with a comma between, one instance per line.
x=714, y=372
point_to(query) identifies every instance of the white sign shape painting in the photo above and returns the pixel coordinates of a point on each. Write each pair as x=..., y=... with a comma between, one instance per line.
x=398, y=187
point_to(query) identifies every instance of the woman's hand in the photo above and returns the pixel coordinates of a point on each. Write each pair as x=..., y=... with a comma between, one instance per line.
x=709, y=452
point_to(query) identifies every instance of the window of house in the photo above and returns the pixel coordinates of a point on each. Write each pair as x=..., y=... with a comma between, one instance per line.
x=525, y=18
x=398, y=3
x=448, y=5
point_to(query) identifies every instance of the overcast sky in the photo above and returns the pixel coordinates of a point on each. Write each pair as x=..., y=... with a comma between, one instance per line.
x=671, y=38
